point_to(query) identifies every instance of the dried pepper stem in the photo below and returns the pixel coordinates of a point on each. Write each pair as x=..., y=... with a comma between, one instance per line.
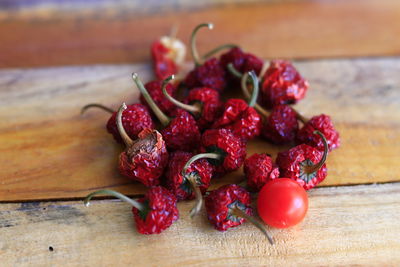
x=95, y=105
x=246, y=93
x=240, y=213
x=234, y=71
x=218, y=49
x=196, y=109
x=254, y=94
x=315, y=167
x=116, y=194
x=195, y=54
x=164, y=119
x=125, y=137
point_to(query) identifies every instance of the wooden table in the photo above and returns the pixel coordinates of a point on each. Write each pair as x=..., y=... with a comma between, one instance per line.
x=57, y=57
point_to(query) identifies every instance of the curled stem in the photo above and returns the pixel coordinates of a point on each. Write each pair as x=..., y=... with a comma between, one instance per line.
x=218, y=49
x=95, y=105
x=240, y=213
x=196, y=109
x=254, y=94
x=234, y=71
x=127, y=140
x=199, y=196
x=195, y=54
x=197, y=157
x=315, y=167
x=116, y=194
x=164, y=119
x=246, y=93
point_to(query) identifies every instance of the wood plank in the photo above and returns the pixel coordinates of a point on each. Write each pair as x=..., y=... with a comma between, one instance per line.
x=47, y=151
x=356, y=225
x=46, y=35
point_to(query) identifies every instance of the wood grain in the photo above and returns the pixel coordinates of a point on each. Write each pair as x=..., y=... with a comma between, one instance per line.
x=44, y=34
x=356, y=225
x=48, y=151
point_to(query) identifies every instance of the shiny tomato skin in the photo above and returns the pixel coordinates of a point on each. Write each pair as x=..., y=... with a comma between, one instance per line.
x=282, y=203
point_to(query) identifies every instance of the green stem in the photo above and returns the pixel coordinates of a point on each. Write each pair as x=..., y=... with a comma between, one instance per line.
x=219, y=48
x=127, y=140
x=195, y=54
x=254, y=94
x=246, y=93
x=196, y=109
x=164, y=119
x=134, y=203
x=314, y=168
x=197, y=157
x=95, y=105
x=234, y=71
x=240, y=213
x=199, y=196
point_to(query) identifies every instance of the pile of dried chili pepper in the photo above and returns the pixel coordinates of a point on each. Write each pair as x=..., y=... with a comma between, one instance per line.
x=189, y=131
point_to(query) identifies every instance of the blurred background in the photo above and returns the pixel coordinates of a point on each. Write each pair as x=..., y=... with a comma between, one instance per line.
x=76, y=32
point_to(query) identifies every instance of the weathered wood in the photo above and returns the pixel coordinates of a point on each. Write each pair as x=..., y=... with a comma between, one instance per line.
x=40, y=33
x=356, y=225
x=48, y=151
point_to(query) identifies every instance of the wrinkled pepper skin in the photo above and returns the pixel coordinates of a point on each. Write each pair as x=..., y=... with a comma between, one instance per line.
x=322, y=123
x=241, y=61
x=232, y=148
x=182, y=133
x=219, y=202
x=161, y=211
x=178, y=184
x=281, y=126
x=282, y=84
x=146, y=159
x=135, y=119
x=259, y=169
x=290, y=165
x=242, y=120
x=154, y=88
x=211, y=74
x=211, y=105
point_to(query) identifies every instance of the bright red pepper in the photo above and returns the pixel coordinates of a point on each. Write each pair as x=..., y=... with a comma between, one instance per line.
x=304, y=164
x=154, y=88
x=282, y=84
x=168, y=53
x=322, y=123
x=239, y=117
x=153, y=213
x=180, y=132
x=259, y=169
x=135, y=119
x=144, y=159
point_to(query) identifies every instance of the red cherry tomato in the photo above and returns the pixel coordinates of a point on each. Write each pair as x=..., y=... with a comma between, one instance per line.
x=282, y=203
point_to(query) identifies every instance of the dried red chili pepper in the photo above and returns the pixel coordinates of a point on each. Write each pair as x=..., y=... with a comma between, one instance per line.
x=154, y=89
x=239, y=117
x=153, y=213
x=229, y=206
x=259, y=169
x=203, y=103
x=168, y=53
x=282, y=84
x=180, y=132
x=223, y=149
x=304, y=164
x=322, y=123
x=135, y=119
x=208, y=74
x=144, y=159
x=188, y=178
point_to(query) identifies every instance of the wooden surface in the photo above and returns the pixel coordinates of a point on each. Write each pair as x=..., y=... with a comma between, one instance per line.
x=48, y=33
x=356, y=225
x=48, y=151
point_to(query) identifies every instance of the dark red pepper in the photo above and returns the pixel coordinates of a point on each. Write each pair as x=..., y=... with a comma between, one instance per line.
x=154, y=89
x=153, y=213
x=241, y=61
x=282, y=84
x=135, y=119
x=259, y=169
x=229, y=206
x=144, y=159
x=223, y=149
x=188, y=178
x=304, y=164
x=168, y=53
x=203, y=103
x=180, y=132
x=239, y=117
x=208, y=74
x=322, y=123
